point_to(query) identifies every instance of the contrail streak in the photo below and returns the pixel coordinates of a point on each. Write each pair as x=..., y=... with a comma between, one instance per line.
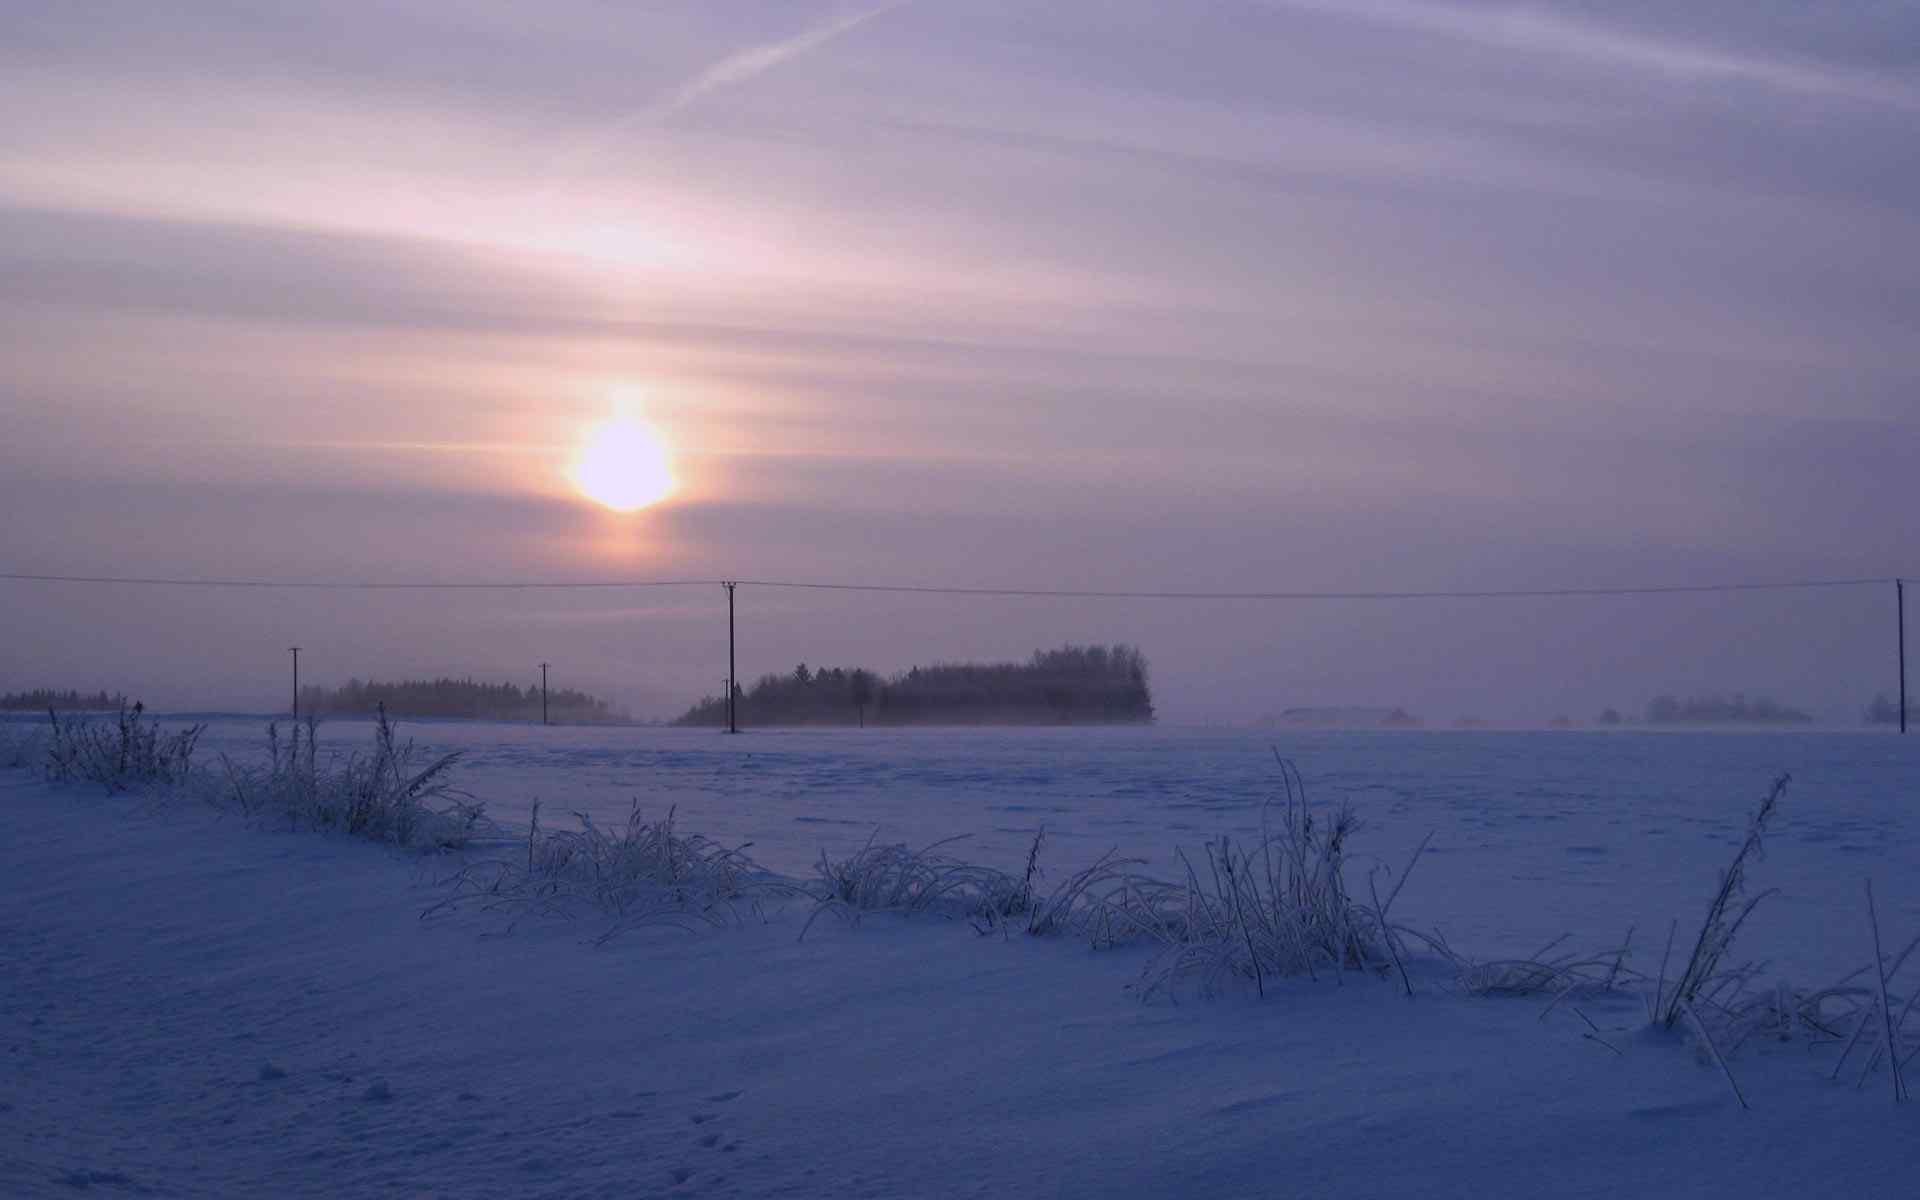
x=1536, y=31
x=757, y=60
x=735, y=68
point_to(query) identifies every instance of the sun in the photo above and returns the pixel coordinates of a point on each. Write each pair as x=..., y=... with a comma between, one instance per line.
x=624, y=465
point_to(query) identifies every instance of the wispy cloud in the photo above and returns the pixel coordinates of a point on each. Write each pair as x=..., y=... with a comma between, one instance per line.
x=734, y=69
x=507, y=448
x=1535, y=30
x=757, y=60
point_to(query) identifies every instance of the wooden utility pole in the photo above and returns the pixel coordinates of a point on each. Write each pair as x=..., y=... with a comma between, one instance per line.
x=543, y=693
x=733, y=686
x=296, y=681
x=1900, y=604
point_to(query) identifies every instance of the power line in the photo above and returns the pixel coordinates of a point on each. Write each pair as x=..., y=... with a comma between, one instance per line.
x=361, y=585
x=1488, y=594
x=930, y=590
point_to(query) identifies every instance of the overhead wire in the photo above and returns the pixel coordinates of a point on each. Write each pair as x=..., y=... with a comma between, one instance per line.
x=942, y=590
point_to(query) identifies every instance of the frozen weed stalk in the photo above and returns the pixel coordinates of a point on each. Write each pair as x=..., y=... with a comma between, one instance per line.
x=900, y=879
x=131, y=751
x=385, y=796
x=1725, y=1008
x=1703, y=977
x=643, y=872
x=1713, y=990
x=1721, y=1003
x=1718, y=1003
x=1276, y=909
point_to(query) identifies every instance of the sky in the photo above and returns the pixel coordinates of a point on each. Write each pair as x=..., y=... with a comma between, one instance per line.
x=1295, y=294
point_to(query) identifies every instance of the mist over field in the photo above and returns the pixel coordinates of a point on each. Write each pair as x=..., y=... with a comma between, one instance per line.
x=1519, y=662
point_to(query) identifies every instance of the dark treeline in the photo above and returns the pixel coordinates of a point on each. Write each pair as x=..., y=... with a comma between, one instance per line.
x=1071, y=685
x=1723, y=710
x=1885, y=710
x=42, y=699
x=455, y=698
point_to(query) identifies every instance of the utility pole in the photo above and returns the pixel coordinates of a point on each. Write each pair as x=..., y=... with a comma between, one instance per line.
x=296, y=681
x=733, y=687
x=1900, y=603
x=543, y=693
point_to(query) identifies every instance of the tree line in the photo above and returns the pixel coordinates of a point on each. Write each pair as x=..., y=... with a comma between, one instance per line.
x=1724, y=710
x=462, y=698
x=42, y=699
x=1070, y=686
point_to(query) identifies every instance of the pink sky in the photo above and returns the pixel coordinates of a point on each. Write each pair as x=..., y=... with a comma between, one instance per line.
x=1220, y=296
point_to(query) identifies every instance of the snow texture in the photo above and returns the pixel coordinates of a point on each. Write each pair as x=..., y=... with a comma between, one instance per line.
x=1535, y=834
x=190, y=1006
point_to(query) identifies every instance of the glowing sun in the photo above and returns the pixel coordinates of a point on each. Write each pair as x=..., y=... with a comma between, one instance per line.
x=624, y=465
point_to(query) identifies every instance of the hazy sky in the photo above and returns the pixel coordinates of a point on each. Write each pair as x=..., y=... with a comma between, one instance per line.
x=1328, y=294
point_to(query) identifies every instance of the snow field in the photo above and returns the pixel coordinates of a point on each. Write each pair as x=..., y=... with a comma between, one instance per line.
x=1535, y=836
x=199, y=1008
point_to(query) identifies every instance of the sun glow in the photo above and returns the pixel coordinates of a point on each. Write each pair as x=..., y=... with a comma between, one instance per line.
x=624, y=465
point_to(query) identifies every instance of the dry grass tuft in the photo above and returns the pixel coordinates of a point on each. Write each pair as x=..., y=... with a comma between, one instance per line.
x=388, y=795
x=1278, y=908
x=131, y=751
x=643, y=873
x=1704, y=975
x=900, y=879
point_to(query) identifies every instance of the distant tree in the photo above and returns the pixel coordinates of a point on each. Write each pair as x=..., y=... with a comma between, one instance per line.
x=42, y=699
x=1723, y=710
x=1885, y=711
x=860, y=689
x=1610, y=717
x=458, y=698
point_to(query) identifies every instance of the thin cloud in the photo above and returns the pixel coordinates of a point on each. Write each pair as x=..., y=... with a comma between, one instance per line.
x=1534, y=30
x=736, y=68
x=508, y=448
x=758, y=60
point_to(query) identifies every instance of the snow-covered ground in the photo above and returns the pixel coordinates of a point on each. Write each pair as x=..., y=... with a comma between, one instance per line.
x=191, y=1007
x=1535, y=834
